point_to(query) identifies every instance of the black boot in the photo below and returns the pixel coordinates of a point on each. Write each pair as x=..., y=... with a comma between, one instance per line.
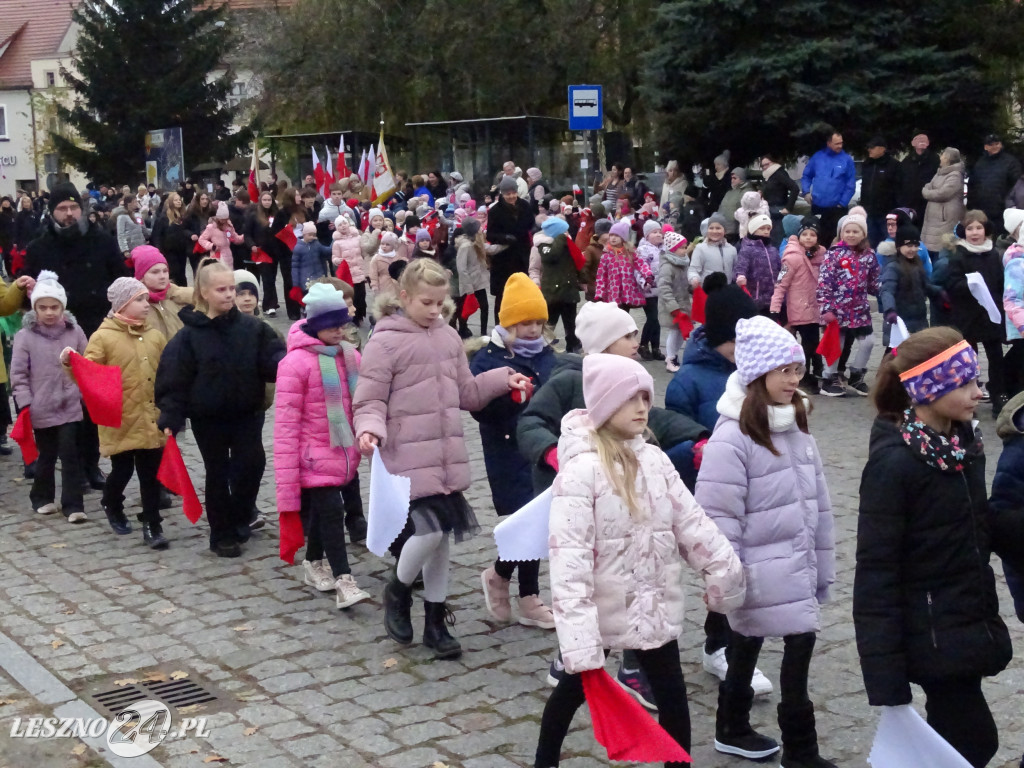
x=397, y=605
x=118, y=521
x=153, y=536
x=733, y=734
x=96, y=479
x=166, y=499
x=645, y=353
x=799, y=737
x=435, y=633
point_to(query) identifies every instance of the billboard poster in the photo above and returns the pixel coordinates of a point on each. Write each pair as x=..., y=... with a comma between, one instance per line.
x=165, y=158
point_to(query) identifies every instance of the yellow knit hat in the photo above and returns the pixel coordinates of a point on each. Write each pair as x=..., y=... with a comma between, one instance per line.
x=521, y=301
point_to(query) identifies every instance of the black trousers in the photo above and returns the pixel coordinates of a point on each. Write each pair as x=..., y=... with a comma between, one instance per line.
x=958, y=712
x=481, y=299
x=717, y=632
x=665, y=675
x=233, y=455
x=810, y=337
x=144, y=463
x=88, y=442
x=176, y=266
x=268, y=279
x=359, y=299
x=651, y=333
x=566, y=310
x=352, y=499
x=529, y=574
x=996, y=379
x=742, y=656
x=829, y=218
x=60, y=442
x=323, y=522
x=290, y=304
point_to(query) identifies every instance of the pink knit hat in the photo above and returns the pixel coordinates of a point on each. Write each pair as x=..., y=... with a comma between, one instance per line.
x=609, y=381
x=145, y=257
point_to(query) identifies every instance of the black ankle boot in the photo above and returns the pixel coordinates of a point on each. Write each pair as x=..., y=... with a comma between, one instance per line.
x=733, y=734
x=645, y=353
x=799, y=737
x=435, y=633
x=397, y=605
x=153, y=536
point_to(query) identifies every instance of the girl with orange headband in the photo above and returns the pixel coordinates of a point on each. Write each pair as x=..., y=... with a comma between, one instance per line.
x=924, y=599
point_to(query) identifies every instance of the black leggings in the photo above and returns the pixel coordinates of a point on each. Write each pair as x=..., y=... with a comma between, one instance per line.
x=268, y=279
x=717, y=631
x=54, y=443
x=567, y=311
x=742, y=655
x=958, y=712
x=323, y=522
x=481, y=299
x=665, y=675
x=996, y=380
x=359, y=299
x=651, y=334
x=145, y=463
x=529, y=574
x=810, y=337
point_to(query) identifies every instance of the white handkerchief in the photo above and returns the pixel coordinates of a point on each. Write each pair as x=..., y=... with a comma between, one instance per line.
x=523, y=535
x=976, y=284
x=904, y=739
x=389, y=506
x=898, y=333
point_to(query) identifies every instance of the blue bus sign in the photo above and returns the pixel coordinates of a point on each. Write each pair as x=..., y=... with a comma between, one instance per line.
x=586, y=109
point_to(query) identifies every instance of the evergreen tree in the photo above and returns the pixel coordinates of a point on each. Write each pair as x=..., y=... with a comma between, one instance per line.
x=142, y=65
x=754, y=76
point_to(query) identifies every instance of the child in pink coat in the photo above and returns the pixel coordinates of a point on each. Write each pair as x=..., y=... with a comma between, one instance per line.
x=346, y=248
x=315, y=450
x=219, y=235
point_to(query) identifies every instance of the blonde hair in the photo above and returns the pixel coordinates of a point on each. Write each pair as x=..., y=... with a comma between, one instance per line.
x=206, y=268
x=621, y=466
x=422, y=272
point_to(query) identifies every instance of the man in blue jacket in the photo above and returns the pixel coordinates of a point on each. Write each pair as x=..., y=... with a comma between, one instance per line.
x=828, y=183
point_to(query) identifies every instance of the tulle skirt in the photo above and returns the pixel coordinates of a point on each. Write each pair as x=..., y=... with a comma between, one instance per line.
x=449, y=513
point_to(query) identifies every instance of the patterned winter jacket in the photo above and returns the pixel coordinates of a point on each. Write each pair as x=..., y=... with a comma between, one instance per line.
x=1013, y=291
x=617, y=582
x=758, y=261
x=616, y=277
x=847, y=278
x=647, y=251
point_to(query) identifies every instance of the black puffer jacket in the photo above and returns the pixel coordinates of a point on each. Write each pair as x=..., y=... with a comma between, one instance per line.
x=991, y=180
x=86, y=260
x=216, y=368
x=509, y=225
x=924, y=595
x=880, y=184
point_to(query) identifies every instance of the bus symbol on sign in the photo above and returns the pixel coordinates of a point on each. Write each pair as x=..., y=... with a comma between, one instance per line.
x=585, y=108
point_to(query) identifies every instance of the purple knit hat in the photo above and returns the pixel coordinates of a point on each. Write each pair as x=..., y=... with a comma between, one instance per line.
x=762, y=346
x=620, y=228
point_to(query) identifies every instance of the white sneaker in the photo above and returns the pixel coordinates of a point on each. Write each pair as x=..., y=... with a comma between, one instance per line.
x=347, y=592
x=671, y=365
x=48, y=509
x=77, y=517
x=715, y=664
x=271, y=313
x=314, y=575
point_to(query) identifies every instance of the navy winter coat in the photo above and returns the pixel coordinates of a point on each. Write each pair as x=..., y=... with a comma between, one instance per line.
x=694, y=391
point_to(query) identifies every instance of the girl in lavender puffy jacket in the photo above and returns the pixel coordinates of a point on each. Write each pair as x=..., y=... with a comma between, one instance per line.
x=762, y=483
x=315, y=450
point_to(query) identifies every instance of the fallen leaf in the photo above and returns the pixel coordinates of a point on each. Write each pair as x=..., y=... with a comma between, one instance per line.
x=5, y=702
x=439, y=764
x=193, y=751
x=215, y=759
x=56, y=644
x=125, y=681
x=172, y=609
x=389, y=663
x=191, y=709
x=61, y=545
x=178, y=675
x=58, y=631
x=242, y=629
x=250, y=731
x=155, y=677
x=79, y=750
x=250, y=696
x=68, y=612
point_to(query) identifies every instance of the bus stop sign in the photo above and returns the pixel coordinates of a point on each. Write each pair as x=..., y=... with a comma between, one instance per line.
x=586, y=110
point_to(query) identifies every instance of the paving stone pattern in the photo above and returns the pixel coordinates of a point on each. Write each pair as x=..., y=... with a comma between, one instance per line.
x=303, y=684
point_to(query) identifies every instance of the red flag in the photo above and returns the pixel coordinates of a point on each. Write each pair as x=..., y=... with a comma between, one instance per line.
x=197, y=248
x=344, y=273
x=22, y=434
x=173, y=474
x=469, y=306
x=577, y=255
x=261, y=257
x=830, y=347
x=343, y=171
x=318, y=170
x=101, y=390
x=746, y=291
x=683, y=323
x=699, y=298
x=254, y=176
x=623, y=727
x=328, y=175
x=292, y=537
x=287, y=236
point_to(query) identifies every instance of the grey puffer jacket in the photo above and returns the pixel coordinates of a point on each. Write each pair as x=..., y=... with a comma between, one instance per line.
x=38, y=380
x=616, y=580
x=776, y=512
x=673, y=286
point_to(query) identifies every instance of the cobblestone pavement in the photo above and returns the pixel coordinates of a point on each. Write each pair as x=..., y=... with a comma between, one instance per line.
x=300, y=683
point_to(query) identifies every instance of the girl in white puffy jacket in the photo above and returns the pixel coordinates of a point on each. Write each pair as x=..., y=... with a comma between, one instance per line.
x=621, y=525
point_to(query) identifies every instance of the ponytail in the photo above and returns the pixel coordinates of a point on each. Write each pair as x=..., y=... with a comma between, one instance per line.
x=888, y=394
x=206, y=268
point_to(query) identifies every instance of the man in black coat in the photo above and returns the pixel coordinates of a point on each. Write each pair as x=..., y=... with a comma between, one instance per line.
x=780, y=191
x=991, y=180
x=916, y=170
x=880, y=183
x=509, y=223
x=86, y=260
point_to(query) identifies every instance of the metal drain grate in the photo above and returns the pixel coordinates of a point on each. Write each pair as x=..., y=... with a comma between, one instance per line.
x=176, y=694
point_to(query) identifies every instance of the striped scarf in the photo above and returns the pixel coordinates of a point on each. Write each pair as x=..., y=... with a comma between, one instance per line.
x=337, y=420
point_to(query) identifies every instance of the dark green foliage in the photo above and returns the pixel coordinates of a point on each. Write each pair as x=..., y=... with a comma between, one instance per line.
x=756, y=76
x=142, y=65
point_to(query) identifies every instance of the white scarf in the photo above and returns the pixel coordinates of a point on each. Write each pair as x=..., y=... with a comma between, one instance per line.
x=780, y=417
x=985, y=247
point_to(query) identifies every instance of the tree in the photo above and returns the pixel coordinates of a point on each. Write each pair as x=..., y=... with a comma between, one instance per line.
x=757, y=77
x=141, y=65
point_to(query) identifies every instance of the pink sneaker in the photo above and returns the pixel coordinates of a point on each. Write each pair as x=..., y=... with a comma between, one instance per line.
x=533, y=613
x=496, y=595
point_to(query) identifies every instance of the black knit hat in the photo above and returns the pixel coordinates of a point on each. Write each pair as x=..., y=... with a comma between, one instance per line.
x=723, y=309
x=62, y=192
x=908, y=233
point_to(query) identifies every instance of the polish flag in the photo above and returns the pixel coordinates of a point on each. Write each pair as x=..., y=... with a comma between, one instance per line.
x=328, y=176
x=343, y=171
x=254, y=175
x=361, y=170
x=318, y=170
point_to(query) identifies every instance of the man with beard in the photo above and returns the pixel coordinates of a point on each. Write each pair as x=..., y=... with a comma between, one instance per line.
x=86, y=260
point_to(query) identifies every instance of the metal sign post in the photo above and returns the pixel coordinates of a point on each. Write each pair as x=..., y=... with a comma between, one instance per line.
x=586, y=114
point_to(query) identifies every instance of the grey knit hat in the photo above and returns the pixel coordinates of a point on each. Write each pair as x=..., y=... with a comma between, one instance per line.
x=122, y=292
x=507, y=184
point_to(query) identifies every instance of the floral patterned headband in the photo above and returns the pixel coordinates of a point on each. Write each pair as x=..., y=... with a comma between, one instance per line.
x=948, y=370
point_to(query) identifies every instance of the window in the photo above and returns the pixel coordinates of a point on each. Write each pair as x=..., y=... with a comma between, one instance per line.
x=3, y=121
x=239, y=91
x=51, y=79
